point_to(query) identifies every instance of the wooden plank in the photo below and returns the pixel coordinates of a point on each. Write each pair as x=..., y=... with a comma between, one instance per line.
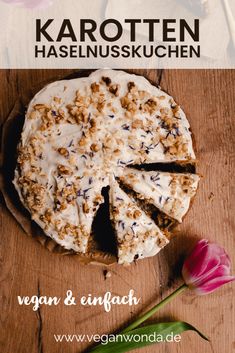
x=207, y=96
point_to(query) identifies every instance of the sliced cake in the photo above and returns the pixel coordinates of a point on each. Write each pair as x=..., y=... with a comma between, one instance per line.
x=77, y=133
x=137, y=234
x=169, y=192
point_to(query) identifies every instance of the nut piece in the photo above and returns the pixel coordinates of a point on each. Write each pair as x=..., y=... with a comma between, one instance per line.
x=62, y=169
x=85, y=208
x=42, y=106
x=136, y=214
x=57, y=100
x=95, y=87
x=106, y=80
x=63, y=152
x=130, y=85
x=137, y=124
x=150, y=106
x=114, y=89
x=33, y=115
x=83, y=141
x=94, y=147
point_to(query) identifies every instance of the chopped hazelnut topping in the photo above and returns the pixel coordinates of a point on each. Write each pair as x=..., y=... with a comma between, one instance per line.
x=137, y=124
x=150, y=106
x=85, y=208
x=100, y=106
x=98, y=199
x=57, y=100
x=106, y=80
x=130, y=85
x=63, y=151
x=89, y=137
x=93, y=122
x=83, y=141
x=114, y=89
x=136, y=214
x=42, y=106
x=92, y=129
x=94, y=147
x=117, y=151
x=95, y=87
x=33, y=115
x=62, y=169
x=124, y=102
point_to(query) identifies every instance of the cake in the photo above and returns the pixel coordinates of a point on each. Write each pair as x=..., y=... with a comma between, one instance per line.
x=83, y=135
x=171, y=193
x=137, y=234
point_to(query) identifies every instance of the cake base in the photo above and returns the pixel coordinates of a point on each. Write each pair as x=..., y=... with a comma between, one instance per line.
x=11, y=131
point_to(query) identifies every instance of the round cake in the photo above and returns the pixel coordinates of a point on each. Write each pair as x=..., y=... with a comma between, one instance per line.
x=83, y=135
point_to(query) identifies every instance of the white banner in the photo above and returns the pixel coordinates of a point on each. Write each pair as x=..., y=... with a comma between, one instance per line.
x=117, y=33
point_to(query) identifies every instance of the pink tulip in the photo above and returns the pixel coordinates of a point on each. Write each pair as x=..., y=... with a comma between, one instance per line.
x=204, y=270
x=207, y=268
x=31, y=3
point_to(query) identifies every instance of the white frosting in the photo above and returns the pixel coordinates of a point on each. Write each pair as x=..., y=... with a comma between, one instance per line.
x=79, y=132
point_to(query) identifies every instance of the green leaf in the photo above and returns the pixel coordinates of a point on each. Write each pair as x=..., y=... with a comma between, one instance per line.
x=146, y=335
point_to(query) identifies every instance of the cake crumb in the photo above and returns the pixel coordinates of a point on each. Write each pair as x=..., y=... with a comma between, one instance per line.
x=211, y=196
x=107, y=274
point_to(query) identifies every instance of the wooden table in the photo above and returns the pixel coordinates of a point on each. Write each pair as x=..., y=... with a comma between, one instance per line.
x=208, y=97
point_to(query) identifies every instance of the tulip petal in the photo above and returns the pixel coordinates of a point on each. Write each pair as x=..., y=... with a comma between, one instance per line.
x=216, y=272
x=204, y=263
x=211, y=286
x=197, y=248
x=219, y=251
x=207, y=267
x=217, y=257
x=196, y=262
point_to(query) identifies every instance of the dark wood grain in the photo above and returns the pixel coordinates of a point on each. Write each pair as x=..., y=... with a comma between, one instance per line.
x=27, y=268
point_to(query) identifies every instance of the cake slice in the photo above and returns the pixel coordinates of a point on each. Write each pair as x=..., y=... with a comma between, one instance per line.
x=78, y=202
x=171, y=193
x=64, y=206
x=137, y=234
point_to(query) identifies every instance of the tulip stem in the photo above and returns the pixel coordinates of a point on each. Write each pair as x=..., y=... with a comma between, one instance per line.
x=152, y=311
